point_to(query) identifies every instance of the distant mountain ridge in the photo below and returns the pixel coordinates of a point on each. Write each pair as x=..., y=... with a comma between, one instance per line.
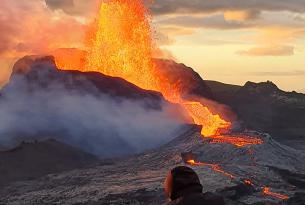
x=264, y=107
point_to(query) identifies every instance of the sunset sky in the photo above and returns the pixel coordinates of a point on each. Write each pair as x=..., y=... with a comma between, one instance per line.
x=232, y=41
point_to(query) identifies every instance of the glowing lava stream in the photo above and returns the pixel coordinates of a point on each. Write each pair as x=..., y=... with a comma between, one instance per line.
x=217, y=168
x=237, y=140
x=266, y=191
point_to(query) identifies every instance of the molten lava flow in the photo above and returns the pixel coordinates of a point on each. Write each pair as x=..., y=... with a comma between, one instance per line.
x=266, y=191
x=248, y=182
x=203, y=116
x=121, y=45
x=215, y=167
x=238, y=140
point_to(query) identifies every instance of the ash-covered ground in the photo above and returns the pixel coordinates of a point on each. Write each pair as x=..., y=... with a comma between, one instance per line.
x=138, y=179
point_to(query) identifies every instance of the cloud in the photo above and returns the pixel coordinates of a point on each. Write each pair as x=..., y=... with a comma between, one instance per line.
x=277, y=73
x=163, y=7
x=59, y=4
x=302, y=90
x=216, y=21
x=73, y=7
x=5, y=70
x=299, y=17
x=241, y=15
x=29, y=27
x=176, y=30
x=281, y=50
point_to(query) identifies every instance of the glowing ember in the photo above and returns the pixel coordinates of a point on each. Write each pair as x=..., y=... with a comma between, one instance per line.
x=238, y=140
x=266, y=191
x=192, y=162
x=248, y=182
x=121, y=45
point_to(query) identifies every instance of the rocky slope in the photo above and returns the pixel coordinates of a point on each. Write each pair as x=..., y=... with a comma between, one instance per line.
x=264, y=107
x=42, y=71
x=36, y=159
x=183, y=78
x=138, y=179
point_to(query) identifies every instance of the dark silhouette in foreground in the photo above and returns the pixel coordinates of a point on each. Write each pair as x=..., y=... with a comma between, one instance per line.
x=182, y=186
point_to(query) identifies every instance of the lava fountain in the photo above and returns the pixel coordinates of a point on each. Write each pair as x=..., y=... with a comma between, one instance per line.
x=121, y=44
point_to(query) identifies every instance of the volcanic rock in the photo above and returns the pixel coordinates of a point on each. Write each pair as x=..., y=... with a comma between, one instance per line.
x=266, y=108
x=138, y=179
x=185, y=79
x=237, y=191
x=297, y=199
x=42, y=70
x=35, y=159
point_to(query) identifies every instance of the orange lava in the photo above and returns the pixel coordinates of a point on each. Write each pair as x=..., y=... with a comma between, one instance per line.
x=237, y=140
x=248, y=182
x=266, y=191
x=120, y=44
x=215, y=167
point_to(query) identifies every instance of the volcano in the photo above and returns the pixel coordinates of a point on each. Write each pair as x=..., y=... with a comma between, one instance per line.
x=103, y=115
x=114, y=101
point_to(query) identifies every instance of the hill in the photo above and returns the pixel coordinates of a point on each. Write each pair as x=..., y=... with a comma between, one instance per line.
x=35, y=159
x=264, y=107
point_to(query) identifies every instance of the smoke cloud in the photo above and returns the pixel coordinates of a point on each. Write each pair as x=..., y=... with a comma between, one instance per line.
x=96, y=122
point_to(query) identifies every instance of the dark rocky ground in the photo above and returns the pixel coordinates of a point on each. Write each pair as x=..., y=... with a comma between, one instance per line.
x=138, y=179
x=36, y=159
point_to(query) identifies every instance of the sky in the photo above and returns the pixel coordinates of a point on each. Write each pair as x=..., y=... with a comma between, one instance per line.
x=232, y=41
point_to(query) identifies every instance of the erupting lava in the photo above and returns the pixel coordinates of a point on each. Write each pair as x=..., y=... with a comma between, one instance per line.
x=237, y=140
x=121, y=45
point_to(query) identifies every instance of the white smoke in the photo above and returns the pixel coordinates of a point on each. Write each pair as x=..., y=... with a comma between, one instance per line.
x=98, y=123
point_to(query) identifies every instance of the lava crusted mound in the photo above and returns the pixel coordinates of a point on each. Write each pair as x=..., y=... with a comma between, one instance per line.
x=103, y=115
x=42, y=71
